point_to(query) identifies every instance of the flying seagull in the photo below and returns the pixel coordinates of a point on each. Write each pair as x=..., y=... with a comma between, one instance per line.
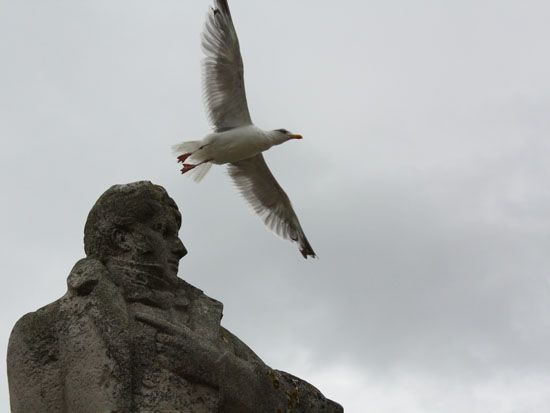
x=236, y=141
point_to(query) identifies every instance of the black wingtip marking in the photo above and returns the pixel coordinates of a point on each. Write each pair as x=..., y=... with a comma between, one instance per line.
x=308, y=252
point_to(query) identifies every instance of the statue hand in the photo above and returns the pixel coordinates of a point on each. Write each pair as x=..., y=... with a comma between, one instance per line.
x=184, y=352
x=194, y=357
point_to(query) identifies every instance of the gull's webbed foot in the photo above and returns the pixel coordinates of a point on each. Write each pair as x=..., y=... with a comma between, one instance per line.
x=187, y=167
x=183, y=157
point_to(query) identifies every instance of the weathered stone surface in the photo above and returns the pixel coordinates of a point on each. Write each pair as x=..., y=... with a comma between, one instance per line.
x=130, y=336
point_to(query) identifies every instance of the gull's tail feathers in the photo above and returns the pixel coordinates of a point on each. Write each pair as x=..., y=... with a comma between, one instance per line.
x=186, y=147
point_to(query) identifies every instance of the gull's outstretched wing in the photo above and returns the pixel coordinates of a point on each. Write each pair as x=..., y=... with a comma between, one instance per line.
x=259, y=187
x=223, y=74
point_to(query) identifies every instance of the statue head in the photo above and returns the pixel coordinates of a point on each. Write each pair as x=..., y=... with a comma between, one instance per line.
x=137, y=224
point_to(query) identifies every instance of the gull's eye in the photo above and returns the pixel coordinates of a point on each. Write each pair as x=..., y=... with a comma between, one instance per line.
x=282, y=131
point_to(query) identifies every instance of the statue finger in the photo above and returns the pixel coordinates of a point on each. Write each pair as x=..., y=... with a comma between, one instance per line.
x=162, y=325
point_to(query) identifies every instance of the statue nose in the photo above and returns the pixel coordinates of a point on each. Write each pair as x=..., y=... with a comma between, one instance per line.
x=180, y=249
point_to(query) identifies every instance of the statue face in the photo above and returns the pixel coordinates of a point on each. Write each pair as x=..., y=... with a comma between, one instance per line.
x=155, y=243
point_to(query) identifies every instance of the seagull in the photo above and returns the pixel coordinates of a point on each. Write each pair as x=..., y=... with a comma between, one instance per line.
x=235, y=140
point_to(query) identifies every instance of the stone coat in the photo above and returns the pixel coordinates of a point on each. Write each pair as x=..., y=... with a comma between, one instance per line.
x=133, y=343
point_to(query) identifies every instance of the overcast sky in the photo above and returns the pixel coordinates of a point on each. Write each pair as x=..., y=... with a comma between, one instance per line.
x=421, y=182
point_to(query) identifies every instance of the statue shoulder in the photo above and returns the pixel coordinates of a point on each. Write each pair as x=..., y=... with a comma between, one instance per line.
x=37, y=328
x=33, y=362
x=37, y=332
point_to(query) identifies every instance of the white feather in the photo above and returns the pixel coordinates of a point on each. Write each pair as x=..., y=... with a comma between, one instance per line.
x=186, y=147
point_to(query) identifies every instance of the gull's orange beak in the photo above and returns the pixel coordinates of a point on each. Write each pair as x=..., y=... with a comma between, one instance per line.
x=296, y=136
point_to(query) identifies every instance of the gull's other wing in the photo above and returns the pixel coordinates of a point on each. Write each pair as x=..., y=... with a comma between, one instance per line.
x=259, y=187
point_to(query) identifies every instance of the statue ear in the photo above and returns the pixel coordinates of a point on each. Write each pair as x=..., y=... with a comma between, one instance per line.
x=120, y=239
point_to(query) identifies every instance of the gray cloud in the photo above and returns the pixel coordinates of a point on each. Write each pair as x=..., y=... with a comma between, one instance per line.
x=421, y=182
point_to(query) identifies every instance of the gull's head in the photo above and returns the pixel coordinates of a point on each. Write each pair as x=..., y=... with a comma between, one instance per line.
x=279, y=136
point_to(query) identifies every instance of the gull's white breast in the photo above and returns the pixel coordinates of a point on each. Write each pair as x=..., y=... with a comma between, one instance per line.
x=235, y=144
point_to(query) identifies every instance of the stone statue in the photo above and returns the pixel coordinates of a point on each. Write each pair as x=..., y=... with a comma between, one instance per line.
x=130, y=336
